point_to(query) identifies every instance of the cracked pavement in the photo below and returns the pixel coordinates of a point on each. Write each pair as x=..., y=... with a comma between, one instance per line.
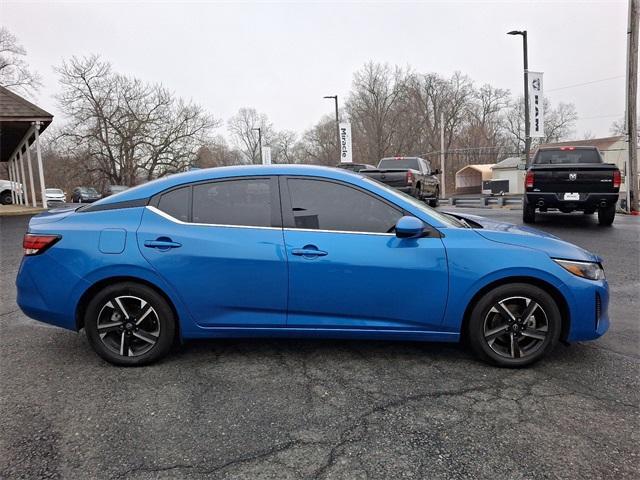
x=320, y=409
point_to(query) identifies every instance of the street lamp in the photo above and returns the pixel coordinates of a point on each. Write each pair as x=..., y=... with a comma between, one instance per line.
x=259, y=141
x=335, y=97
x=527, y=132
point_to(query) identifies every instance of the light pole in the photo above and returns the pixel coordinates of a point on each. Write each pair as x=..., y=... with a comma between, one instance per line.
x=335, y=97
x=527, y=127
x=259, y=141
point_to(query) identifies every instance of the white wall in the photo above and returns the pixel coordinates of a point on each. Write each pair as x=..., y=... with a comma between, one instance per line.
x=515, y=177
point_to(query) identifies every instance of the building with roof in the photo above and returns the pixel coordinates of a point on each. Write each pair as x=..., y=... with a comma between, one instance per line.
x=469, y=178
x=511, y=169
x=21, y=123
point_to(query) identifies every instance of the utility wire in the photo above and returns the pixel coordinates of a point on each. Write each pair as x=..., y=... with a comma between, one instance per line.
x=586, y=83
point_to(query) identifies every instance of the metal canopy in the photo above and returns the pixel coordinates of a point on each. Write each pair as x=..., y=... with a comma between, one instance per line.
x=17, y=116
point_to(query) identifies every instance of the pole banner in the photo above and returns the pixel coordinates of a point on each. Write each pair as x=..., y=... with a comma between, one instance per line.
x=345, y=143
x=536, y=105
x=266, y=155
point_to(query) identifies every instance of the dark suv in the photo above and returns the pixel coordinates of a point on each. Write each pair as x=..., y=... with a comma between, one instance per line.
x=85, y=195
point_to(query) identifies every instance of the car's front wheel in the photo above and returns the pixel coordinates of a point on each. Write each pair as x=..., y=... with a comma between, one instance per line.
x=514, y=325
x=129, y=324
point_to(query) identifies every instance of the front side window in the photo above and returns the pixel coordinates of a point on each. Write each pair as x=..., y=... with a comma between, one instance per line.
x=323, y=205
x=245, y=202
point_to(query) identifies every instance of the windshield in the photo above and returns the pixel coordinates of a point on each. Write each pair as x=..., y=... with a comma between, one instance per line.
x=89, y=190
x=445, y=219
x=54, y=191
x=553, y=157
x=403, y=163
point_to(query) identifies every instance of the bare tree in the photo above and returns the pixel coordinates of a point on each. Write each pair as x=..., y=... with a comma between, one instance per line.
x=559, y=123
x=283, y=147
x=318, y=144
x=131, y=130
x=245, y=137
x=217, y=153
x=15, y=73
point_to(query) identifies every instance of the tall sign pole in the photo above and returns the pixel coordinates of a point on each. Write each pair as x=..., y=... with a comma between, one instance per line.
x=335, y=99
x=527, y=125
x=632, y=106
x=443, y=190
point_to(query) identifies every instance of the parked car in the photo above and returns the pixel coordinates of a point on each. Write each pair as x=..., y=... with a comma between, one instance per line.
x=85, y=195
x=355, y=167
x=411, y=175
x=568, y=179
x=302, y=251
x=113, y=189
x=6, y=187
x=55, y=195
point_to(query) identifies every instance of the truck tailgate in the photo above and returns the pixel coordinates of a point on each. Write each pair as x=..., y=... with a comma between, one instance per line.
x=393, y=178
x=592, y=178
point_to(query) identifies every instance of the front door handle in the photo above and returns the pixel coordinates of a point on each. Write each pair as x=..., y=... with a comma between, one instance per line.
x=308, y=251
x=162, y=243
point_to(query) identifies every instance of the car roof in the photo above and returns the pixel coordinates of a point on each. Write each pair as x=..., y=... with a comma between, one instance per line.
x=155, y=186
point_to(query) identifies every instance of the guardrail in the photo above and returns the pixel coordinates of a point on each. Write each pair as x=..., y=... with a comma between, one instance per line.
x=483, y=201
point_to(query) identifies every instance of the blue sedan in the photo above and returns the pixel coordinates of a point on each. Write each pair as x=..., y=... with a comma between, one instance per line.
x=301, y=251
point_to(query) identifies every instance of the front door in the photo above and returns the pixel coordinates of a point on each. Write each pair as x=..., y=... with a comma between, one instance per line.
x=347, y=269
x=219, y=244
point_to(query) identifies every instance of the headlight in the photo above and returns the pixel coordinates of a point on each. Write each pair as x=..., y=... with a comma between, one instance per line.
x=590, y=270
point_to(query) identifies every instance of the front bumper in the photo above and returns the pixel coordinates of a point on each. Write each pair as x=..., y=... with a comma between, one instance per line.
x=589, y=311
x=587, y=201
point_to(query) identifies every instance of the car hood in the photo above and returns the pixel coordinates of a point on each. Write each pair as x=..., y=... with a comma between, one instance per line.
x=524, y=236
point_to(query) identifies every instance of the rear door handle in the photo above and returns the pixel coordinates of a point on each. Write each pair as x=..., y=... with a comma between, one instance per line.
x=308, y=251
x=162, y=243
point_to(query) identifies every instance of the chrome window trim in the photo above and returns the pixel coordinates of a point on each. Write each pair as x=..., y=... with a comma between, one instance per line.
x=290, y=229
x=181, y=222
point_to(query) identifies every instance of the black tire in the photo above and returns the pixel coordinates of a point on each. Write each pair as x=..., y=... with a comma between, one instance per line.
x=528, y=212
x=140, y=324
x=5, y=198
x=433, y=202
x=606, y=215
x=534, y=336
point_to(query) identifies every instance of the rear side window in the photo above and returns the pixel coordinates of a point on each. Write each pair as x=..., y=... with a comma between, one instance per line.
x=176, y=203
x=322, y=205
x=246, y=202
x=560, y=157
x=399, y=163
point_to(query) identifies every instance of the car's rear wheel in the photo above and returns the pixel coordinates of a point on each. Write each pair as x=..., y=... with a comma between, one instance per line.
x=606, y=215
x=514, y=325
x=528, y=212
x=129, y=324
x=5, y=198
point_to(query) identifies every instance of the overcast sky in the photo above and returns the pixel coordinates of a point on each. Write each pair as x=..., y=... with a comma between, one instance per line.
x=282, y=58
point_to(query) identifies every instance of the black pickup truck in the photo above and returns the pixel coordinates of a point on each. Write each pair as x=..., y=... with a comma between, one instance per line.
x=568, y=179
x=411, y=175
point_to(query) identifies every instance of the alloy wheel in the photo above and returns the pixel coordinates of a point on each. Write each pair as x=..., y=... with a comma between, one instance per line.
x=516, y=327
x=128, y=326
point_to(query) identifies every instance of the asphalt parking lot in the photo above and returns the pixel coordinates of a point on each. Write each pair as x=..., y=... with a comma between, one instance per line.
x=287, y=409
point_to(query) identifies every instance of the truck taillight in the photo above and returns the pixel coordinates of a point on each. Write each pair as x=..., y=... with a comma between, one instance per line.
x=528, y=179
x=409, y=178
x=35, y=244
x=617, y=179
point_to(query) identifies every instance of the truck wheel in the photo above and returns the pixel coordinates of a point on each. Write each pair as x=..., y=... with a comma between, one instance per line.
x=606, y=215
x=528, y=212
x=5, y=198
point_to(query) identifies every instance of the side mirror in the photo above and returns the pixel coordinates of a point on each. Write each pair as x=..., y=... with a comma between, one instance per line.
x=409, y=227
x=435, y=171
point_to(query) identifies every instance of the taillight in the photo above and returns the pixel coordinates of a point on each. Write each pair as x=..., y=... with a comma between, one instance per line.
x=34, y=244
x=617, y=179
x=528, y=179
x=409, y=178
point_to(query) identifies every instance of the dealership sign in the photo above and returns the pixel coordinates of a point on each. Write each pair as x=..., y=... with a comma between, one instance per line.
x=536, y=106
x=266, y=155
x=345, y=143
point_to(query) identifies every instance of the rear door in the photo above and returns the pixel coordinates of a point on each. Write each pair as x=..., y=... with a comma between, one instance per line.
x=348, y=270
x=220, y=245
